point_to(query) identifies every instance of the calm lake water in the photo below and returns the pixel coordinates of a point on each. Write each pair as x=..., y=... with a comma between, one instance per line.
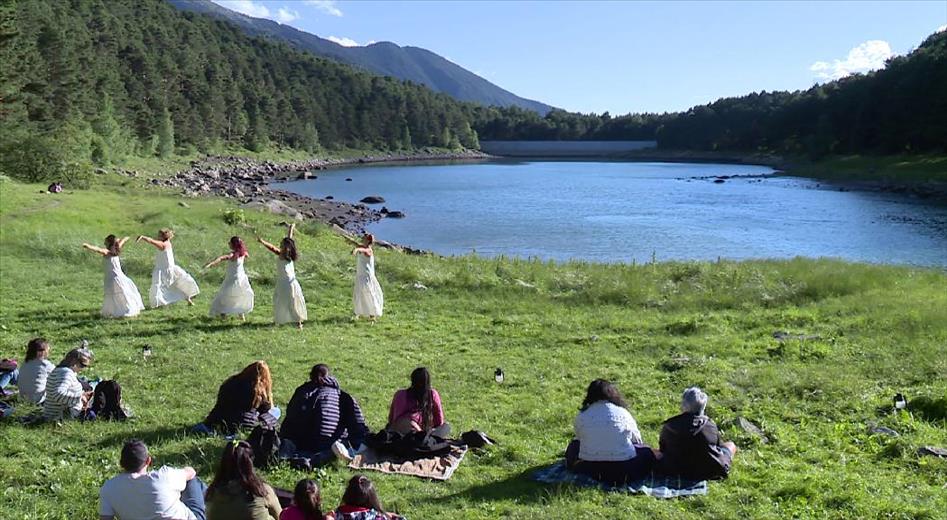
x=616, y=212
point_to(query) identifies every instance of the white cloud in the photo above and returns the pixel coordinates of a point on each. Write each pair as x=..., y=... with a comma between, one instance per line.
x=326, y=6
x=247, y=7
x=345, y=42
x=864, y=57
x=285, y=15
x=942, y=28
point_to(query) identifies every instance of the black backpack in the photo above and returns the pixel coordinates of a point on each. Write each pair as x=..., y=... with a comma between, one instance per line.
x=413, y=446
x=107, y=401
x=265, y=443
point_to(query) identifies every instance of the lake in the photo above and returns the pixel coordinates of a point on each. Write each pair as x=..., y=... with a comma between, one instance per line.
x=624, y=211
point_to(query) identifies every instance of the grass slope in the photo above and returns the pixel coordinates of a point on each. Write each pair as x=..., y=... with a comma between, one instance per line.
x=654, y=329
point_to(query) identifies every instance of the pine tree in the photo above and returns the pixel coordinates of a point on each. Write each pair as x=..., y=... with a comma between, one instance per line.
x=165, y=134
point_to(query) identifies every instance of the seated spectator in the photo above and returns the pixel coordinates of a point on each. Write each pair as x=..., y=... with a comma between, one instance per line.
x=360, y=502
x=691, y=446
x=237, y=493
x=65, y=396
x=139, y=494
x=418, y=407
x=35, y=370
x=307, y=504
x=608, y=446
x=322, y=422
x=9, y=371
x=243, y=401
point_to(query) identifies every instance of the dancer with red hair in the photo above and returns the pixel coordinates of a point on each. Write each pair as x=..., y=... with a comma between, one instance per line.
x=235, y=295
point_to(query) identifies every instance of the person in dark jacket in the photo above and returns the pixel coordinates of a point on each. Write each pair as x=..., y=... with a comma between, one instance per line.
x=322, y=422
x=691, y=446
x=243, y=401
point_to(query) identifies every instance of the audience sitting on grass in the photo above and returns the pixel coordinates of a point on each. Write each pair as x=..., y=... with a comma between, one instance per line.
x=243, y=401
x=418, y=407
x=690, y=444
x=307, y=503
x=237, y=493
x=360, y=502
x=9, y=371
x=322, y=422
x=35, y=371
x=607, y=445
x=139, y=494
x=65, y=396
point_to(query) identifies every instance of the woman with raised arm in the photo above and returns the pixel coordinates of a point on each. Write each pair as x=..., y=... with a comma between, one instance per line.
x=169, y=283
x=289, y=306
x=122, y=299
x=235, y=295
x=367, y=296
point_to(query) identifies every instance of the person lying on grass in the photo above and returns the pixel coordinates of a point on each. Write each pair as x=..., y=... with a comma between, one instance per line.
x=237, y=492
x=691, y=446
x=360, y=502
x=418, y=407
x=243, y=401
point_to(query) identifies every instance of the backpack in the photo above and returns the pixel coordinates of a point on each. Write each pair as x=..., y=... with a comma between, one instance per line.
x=107, y=402
x=476, y=439
x=413, y=446
x=265, y=443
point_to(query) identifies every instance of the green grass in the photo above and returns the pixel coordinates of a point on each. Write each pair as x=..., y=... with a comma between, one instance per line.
x=906, y=169
x=654, y=329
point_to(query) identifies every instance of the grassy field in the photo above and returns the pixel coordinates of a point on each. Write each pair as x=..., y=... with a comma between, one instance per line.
x=895, y=169
x=654, y=329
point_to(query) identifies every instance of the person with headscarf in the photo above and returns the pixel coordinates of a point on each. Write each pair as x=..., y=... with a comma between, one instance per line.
x=690, y=443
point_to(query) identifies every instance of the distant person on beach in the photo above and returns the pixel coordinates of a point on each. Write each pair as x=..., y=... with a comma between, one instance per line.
x=237, y=493
x=691, y=446
x=289, y=306
x=169, y=283
x=608, y=446
x=122, y=299
x=139, y=494
x=35, y=371
x=367, y=297
x=244, y=400
x=235, y=296
x=307, y=502
x=65, y=396
x=360, y=502
x=418, y=407
x=322, y=422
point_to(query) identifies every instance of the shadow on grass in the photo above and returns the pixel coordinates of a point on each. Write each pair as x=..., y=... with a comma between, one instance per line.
x=520, y=488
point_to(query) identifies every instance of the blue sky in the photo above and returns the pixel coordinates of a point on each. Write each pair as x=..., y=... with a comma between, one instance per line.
x=628, y=56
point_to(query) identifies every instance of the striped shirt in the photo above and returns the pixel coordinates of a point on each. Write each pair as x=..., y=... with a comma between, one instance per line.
x=63, y=395
x=317, y=416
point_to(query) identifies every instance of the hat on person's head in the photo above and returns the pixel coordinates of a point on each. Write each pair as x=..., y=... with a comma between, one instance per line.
x=134, y=455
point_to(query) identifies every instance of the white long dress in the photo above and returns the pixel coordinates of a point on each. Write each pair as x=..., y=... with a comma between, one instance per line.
x=122, y=299
x=169, y=283
x=289, y=306
x=367, y=296
x=235, y=295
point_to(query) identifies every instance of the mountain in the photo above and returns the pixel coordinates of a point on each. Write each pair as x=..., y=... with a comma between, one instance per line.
x=385, y=58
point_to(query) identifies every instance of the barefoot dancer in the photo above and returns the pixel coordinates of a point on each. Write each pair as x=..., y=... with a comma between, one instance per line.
x=367, y=296
x=235, y=295
x=169, y=283
x=289, y=306
x=122, y=299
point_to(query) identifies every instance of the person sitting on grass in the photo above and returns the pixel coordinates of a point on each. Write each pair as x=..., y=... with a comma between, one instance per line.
x=322, y=422
x=307, y=503
x=243, y=400
x=607, y=445
x=690, y=443
x=35, y=371
x=418, y=407
x=65, y=397
x=139, y=494
x=360, y=502
x=237, y=493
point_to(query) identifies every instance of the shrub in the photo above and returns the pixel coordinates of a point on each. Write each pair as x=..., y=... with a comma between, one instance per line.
x=40, y=159
x=235, y=217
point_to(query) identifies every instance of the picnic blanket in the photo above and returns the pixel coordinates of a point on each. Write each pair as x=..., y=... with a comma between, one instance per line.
x=437, y=468
x=654, y=486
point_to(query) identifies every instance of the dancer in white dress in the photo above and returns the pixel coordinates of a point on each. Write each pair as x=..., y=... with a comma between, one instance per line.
x=169, y=283
x=235, y=295
x=289, y=306
x=367, y=296
x=122, y=299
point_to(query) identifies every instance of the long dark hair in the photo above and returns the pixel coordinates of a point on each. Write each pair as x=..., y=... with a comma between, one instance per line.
x=238, y=247
x=307, y=499
x=34, y=347
x=288, y=250
x=420, y=391
x=319, y=374
x=236, y=463
x=111, y=243
x=360, y=492
x=602, y=390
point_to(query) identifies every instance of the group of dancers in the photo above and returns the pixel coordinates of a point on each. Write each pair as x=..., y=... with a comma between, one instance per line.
x=170, y=283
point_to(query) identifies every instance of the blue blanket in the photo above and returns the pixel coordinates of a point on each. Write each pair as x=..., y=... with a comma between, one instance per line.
x=660, y=487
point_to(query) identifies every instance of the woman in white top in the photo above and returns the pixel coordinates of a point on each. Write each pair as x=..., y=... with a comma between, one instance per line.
x=122, y=299
x=367, y=296
x=289, y=306
x=169, y=283
x=235, y=295
x=65, y=398
x=608, y=446
x=35, y=370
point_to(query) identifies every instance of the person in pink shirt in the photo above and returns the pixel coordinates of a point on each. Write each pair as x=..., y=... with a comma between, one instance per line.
x=307, y=502
x=418, y=407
